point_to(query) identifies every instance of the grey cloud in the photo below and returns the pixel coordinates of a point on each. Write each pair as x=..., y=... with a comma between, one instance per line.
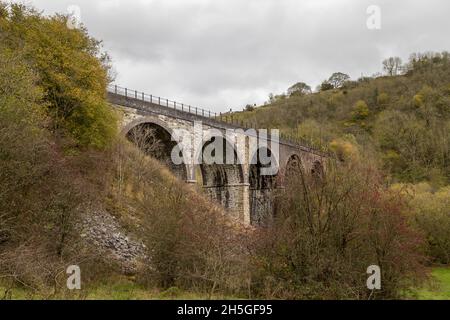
x=226, y=53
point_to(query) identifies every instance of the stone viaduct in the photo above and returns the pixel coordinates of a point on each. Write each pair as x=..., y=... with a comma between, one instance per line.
x=243, y=186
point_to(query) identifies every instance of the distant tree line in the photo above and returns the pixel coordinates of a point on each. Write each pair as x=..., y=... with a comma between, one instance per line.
x=392, y=66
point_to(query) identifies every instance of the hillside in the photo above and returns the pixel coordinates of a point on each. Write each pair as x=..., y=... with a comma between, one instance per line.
x=402, y=121
x=75, y=193
x=72, y=192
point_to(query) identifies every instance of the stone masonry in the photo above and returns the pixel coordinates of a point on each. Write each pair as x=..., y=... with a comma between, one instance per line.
x=239, y=188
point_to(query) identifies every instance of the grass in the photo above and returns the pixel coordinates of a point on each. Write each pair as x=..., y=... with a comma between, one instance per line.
x=437, y=288
x=121, y=288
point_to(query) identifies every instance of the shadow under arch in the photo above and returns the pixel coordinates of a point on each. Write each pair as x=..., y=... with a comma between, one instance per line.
x=294, y=166
x=262, y=186
x=221, y=172
x=154, y=138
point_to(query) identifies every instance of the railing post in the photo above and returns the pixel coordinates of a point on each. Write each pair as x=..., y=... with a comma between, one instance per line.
x=126, y=93
x=196, y=110
x=115, y=89
x=189, y=108
x=135, y=94
x=203, y=112
x=151, y=98
x=159, y=100
x=167, y=102
x=182, y=107
x=143, y=98
x=209, y=114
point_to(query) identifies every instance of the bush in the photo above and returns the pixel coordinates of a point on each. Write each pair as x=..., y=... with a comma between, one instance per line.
x=360, y=112
x=383, y=99
x=345, y=148
x=431, y=214
x=328, y=230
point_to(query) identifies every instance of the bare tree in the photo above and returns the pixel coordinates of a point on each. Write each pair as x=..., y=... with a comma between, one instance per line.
x=146, y=140
x=392, y=66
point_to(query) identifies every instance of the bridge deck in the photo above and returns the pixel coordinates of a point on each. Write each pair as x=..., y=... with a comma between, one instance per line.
x=157, y=105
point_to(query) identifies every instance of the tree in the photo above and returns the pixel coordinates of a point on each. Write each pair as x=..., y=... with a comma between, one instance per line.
x=338, y=79
x=325, y=85
x=300, y=88
x=249, y=107
x=275, y=98
x=392, y=66
x=72, y=71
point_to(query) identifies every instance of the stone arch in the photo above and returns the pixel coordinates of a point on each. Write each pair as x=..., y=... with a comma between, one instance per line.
x=294, y=165
x=221, y=180
x=154, y=138
x=317, y=169
x=209, y=134
x=261, y=188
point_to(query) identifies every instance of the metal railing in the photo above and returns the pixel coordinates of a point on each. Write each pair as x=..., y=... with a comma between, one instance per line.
x=162, y=102
x=227, y=118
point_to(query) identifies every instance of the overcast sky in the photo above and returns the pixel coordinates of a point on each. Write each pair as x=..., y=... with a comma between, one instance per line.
x=221, y=54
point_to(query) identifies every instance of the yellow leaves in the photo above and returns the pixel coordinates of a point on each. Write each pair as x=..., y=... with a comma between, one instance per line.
x=424, y=198
x=443, y=196
x=418, y=100
x=383, y=99
x=412, y=190
x=425, y=94
x=344, y=149
x=93, y=123
x=432, y=216
x=359, y=114
x=70, y=72
x=360, y=110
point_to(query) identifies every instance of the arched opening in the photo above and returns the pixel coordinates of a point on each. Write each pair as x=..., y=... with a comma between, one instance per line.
x=317, y=169
x=293, y=166
x=156, y=142
x=262, y=186
x=222, y=173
